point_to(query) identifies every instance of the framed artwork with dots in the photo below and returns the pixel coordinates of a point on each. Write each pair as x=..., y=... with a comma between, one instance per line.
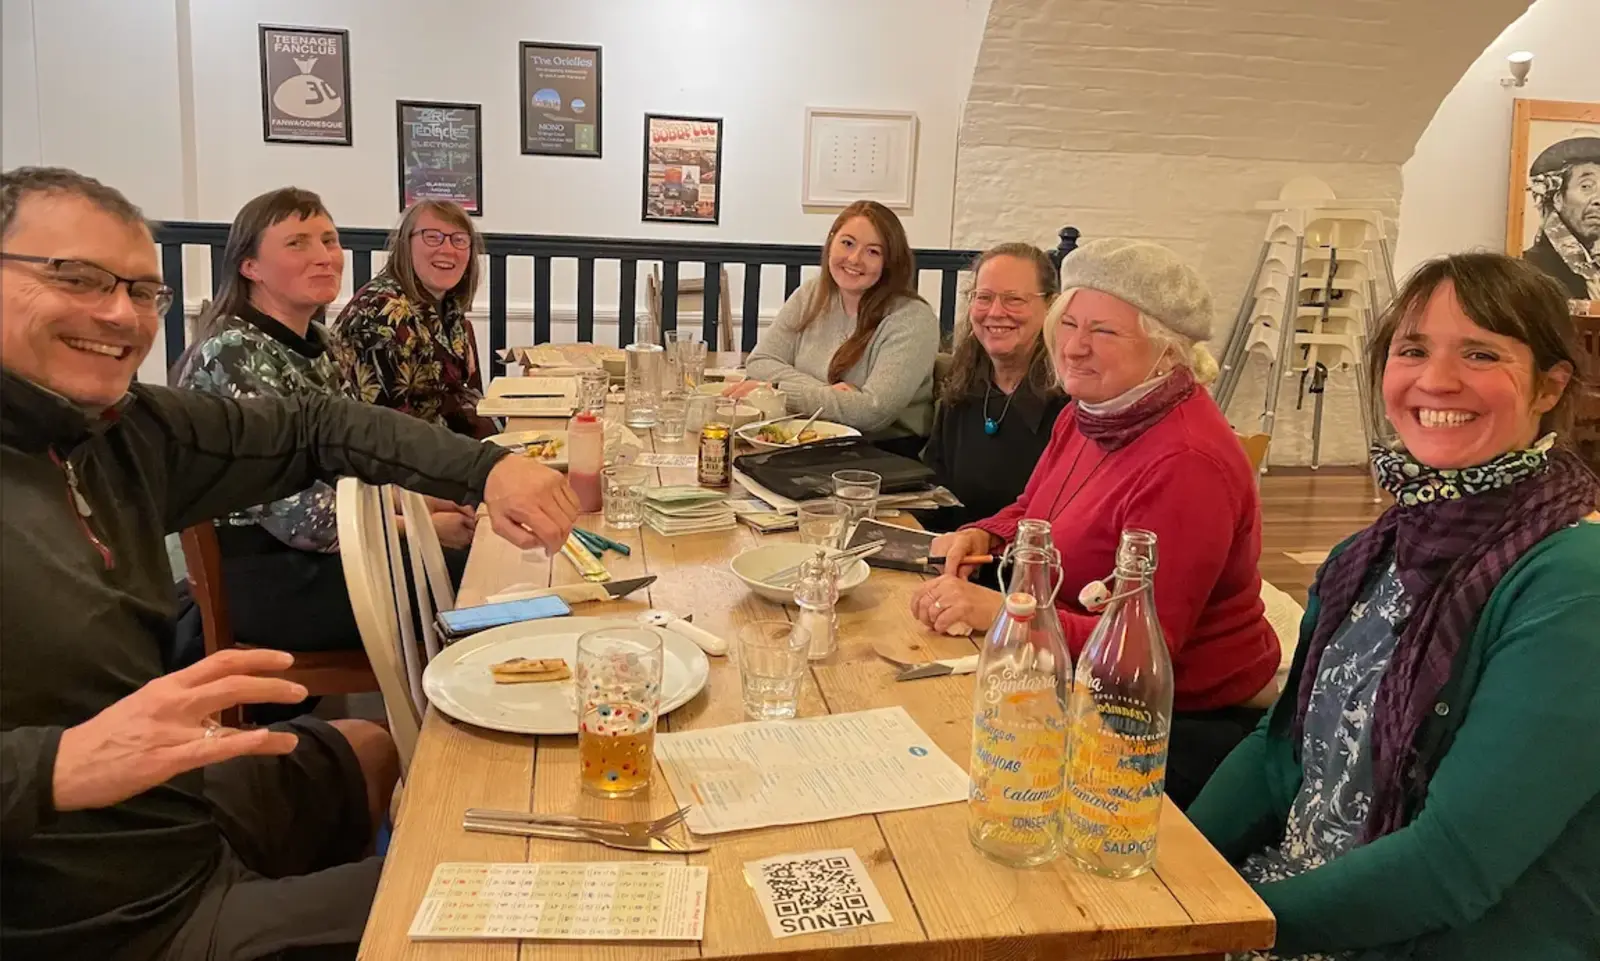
x=856, y=155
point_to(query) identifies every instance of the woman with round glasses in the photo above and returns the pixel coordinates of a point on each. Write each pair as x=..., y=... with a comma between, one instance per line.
x=999, y=402
x=404, y=340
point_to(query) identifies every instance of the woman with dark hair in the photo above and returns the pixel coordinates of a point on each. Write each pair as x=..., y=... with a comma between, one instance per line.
x=857, y=340
x=404, y=340
x=261, y=337
x=1000, y=400
x=1429, y=784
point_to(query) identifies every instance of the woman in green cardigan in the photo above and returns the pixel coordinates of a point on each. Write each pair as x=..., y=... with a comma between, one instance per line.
x=1428, y=786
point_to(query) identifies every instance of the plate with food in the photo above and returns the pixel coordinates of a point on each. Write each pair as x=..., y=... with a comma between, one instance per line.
x=519, y=678
x=549, y=447
x=779, y=434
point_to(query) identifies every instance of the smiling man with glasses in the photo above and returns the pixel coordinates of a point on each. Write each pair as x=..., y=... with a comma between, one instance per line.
x=132, y=826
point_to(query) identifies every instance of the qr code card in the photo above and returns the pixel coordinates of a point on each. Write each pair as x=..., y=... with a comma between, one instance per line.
x=815, y=892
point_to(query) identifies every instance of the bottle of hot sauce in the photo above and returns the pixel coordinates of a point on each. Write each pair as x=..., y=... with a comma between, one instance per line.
x=586, y=441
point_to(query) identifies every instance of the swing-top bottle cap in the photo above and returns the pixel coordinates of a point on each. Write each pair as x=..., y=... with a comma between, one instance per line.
x=1021, y=605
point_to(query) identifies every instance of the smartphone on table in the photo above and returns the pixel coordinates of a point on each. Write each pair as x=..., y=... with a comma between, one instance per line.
x=463, y=621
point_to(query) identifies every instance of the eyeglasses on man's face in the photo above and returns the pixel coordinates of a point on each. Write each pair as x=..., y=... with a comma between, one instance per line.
x=1012, y=301
x=436, y=238
x=94, y=285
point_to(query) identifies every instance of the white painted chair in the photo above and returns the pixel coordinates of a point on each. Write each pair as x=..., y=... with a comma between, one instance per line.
x=375, y=575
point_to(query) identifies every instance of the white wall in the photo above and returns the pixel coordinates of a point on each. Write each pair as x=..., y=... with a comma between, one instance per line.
x=1455, y=183
x=162, y=99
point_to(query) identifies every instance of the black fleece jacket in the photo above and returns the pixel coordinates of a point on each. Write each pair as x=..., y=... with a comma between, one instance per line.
x=86, y=598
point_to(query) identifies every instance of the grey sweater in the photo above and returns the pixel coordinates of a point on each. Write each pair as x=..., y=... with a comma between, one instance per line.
x=893, y=379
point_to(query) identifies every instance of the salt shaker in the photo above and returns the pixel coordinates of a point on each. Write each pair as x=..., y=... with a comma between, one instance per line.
x=816, y=592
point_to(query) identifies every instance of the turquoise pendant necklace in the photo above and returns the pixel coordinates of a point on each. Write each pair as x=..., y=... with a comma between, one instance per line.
x=991, y=425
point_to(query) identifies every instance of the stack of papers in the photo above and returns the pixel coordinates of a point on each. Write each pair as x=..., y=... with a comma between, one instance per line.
x=686, y=509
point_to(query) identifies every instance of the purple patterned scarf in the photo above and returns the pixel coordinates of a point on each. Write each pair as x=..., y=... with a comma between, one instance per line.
x=1118, y=429
x=1454, y=534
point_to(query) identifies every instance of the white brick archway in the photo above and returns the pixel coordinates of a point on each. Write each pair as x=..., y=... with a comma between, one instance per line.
x=1168, y=119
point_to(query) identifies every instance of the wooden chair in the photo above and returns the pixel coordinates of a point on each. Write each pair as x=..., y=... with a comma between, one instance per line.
x=1255, y=448
x=692, y=303
x=375, y=573
x=324, y=672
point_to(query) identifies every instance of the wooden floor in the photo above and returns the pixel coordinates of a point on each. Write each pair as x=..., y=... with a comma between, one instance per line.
x=1303, y=514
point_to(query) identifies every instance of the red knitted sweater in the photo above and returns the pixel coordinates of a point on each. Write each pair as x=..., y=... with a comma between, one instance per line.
x=1185, y=478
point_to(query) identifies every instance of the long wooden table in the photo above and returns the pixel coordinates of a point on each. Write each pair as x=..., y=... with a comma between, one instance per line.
x=948, y=902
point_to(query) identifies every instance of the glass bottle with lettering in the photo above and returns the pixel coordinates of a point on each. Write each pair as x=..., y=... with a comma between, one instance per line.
x=1120, y=719
x=1019, y=720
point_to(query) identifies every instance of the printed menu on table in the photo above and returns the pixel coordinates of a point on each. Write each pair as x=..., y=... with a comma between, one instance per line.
x=763, y=773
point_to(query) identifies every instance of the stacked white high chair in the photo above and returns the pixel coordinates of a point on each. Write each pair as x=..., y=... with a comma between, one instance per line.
x=1323, y=276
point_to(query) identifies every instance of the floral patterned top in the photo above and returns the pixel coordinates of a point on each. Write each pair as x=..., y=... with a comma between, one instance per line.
x=256, y=356
x=1326, y=818
x=421, y=359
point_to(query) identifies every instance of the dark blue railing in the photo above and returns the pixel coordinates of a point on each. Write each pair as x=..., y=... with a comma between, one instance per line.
x=361, y=242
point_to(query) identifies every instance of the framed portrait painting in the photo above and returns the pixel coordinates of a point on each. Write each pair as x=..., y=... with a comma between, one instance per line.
x=1553, y=213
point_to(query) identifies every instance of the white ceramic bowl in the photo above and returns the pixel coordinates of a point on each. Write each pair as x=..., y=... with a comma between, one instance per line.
x=760, y=562
x=827, y=428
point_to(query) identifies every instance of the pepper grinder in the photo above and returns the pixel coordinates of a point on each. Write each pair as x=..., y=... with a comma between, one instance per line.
x=817, y=593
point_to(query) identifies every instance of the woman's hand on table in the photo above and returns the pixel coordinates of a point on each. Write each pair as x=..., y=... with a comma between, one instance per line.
x=947, y=601
x=962, y=544
x=742, y=389
x=530, y=504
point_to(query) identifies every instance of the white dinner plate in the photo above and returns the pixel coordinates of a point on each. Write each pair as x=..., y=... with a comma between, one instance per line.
x=458, y=683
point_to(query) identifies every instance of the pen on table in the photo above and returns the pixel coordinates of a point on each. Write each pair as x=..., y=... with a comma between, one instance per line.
x=599, y=543
x=970, y=559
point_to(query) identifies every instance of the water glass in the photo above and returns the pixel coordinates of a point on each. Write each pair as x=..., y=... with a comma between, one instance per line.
x=592, y=387
x=822, y=524
x=772, y=656
x=671, y=415
x=623, y=492
x=699, y=408
x=618, y=694
x=644, y=367
x=857, y=490
x=692, y=363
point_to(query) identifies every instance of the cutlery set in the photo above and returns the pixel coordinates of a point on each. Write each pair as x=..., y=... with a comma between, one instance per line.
x=643, y=836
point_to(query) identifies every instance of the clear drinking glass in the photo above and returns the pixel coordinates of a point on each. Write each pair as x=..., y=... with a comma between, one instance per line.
x=822, y=523
x=618, y=695
x=698, y=409
x=624, y=496
x=671, y=415
x=592, y=386
x=644, y=367
x=857, y=490
x=773, y=656
x=692, y=363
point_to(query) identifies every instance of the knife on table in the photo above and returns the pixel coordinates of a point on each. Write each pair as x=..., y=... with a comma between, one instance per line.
x=580, y=593
x=953, y=665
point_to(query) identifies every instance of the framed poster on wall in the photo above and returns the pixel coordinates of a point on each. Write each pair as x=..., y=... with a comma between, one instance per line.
x=440, y=147
x=560, y=93
x=305, y=85
x=682, y=168
x=859, y=155
x=1553, y=210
